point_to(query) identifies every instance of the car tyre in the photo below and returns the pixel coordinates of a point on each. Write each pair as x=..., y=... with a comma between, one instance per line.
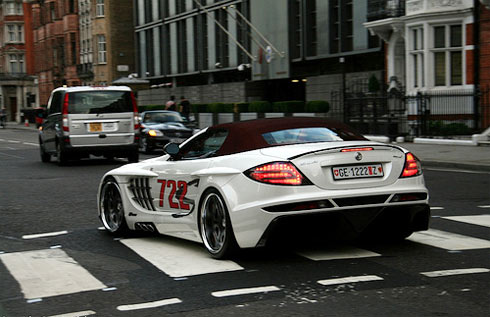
x=111, y=209
x=45, y=157
x=215, y=225
x=61, y=156
x=133, y=157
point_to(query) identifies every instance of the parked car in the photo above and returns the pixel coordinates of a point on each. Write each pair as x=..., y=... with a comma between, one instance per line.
x=159, y=127
x=79, y=121
x=238, y=184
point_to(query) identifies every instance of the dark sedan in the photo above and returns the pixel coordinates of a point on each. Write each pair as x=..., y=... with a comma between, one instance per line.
x=159, y=127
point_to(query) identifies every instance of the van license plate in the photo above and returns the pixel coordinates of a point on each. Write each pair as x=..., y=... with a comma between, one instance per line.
x=95, y=127
x=357, y=171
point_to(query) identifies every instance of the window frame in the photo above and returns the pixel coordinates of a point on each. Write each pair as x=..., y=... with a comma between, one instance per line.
x=447, y=52
x=101, y=49
x=100, y=8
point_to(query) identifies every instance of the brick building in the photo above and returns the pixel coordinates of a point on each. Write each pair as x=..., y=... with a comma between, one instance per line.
x=17, y=85
x=106, y=40
x=56, y=44
x=438, y=53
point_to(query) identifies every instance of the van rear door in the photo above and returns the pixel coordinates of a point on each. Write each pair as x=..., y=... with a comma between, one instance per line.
x=101, y=117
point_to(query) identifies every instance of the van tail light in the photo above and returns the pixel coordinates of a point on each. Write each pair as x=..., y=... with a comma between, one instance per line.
x=278, y=173
x=64, y=113
x=412, y=166
x=137, y=124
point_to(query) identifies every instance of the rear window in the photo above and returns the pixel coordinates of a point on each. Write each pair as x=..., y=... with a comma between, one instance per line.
x=309, y=135
x=99, y=102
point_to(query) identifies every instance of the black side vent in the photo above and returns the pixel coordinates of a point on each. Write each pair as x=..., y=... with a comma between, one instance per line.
x=363, y=200
x=140, y=187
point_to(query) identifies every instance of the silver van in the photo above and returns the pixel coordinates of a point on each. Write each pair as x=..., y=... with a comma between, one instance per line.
x=101, y=121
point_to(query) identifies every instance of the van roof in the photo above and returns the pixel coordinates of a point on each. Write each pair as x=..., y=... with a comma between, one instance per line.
x=93, y=88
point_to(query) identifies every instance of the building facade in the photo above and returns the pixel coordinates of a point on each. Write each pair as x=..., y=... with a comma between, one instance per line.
x=245, y=50
x=56, y=44
x=17, y=84
x=437, y=50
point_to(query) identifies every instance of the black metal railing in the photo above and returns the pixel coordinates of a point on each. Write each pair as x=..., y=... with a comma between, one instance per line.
x=383, y=9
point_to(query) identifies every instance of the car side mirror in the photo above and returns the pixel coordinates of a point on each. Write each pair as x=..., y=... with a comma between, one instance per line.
x=172, y=149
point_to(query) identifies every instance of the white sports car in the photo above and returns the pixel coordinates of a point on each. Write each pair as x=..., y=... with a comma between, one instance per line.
x=235, y=185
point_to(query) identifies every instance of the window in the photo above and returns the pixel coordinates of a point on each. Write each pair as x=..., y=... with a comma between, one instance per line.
x=222, y=43
x=447, y=53
x=182, y=46
x=15, y=33
x=16, y=63
x=341, y=26
x=14, y=8
x=417, y=56
x=101, y=49
x=204, y=145
x=99, y=8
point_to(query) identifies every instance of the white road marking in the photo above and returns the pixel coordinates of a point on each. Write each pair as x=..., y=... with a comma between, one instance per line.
x=28, y=143
x=43, y=235
x=448, y=241
x=245, y=291
x=436, y=208
x=455, y=272
x=337, y=253
x=484, y=206
x=350, y=279
x=455, y=170
x=13, y=141
x=76, y=314
x=51, y=272
x=109, y=289
x=480, y=220
x=178, y=258
x=154, y=304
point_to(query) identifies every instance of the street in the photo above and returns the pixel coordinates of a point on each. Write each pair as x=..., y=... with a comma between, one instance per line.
x=49, y=218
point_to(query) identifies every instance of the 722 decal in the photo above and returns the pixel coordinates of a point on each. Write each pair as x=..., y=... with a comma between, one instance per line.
x=178, y=190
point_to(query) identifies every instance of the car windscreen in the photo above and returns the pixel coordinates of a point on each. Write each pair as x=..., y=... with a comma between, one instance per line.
x=308, y=135
x=161, y=117
x=99, y=102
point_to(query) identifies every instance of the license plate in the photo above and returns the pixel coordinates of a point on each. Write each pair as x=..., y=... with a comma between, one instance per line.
x=95, y=127
x=357, y=171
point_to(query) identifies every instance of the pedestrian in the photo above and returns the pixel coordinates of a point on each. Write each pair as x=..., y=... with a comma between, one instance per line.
x=171, y=105
x=3, y=117
x=185, y=108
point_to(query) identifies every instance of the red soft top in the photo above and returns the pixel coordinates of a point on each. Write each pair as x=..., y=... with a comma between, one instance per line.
x=247, y=135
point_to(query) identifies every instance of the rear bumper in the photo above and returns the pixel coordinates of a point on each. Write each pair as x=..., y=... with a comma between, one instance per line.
x=347, y=224
x=112, y=150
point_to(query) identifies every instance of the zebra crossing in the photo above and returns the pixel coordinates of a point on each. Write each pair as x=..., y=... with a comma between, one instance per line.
x=52, y=272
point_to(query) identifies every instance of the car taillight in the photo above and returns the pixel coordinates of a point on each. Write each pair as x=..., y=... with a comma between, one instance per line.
x=137, y=124
x=278, y=173
x=412, y=166
x=64, y=113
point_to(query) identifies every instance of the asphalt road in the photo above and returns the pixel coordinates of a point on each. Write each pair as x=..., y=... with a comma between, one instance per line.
x=443, y=272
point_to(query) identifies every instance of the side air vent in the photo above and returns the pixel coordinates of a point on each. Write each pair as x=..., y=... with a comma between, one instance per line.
x=363, y=200
x=141, y=190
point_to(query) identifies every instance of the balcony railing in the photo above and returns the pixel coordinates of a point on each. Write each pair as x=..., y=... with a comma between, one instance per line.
x=85, y=70
x=383, y=9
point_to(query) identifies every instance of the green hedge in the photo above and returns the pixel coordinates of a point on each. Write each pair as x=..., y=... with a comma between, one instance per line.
x=317, y=106
x=289, y=106
x=199, y=107
x=260, y=106
x=242, y=107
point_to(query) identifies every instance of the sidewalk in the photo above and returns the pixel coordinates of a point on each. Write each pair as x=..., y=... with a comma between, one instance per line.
x=476, y=158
